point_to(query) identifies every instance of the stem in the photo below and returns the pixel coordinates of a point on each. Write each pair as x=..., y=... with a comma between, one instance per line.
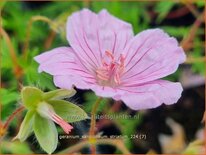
x=194, y=60
x=193, y=10
x=50, y=39
x=92, y=139
x=12, y=116
x=118, y=143
x=178, y=13
x=16, y=68
x=186, y=42
x=28, y=33
x=10, y=46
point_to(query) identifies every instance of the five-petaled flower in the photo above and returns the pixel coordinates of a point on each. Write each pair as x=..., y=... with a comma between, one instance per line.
x=107, y=58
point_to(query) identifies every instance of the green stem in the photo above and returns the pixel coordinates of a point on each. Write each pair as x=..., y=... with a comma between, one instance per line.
x=92, y=139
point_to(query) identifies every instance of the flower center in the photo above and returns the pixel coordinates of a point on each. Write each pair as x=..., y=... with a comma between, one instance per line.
x=111, y=70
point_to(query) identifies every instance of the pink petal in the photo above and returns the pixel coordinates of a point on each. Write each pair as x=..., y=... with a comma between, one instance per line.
x=67, y=82
x=90, y=35
x=107, y=92
x=151, y=95
x=151, y=55
x=115, y=33
x=46, y=56
x=62, y=62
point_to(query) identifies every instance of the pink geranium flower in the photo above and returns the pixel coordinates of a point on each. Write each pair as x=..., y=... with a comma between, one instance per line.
x=107, y=58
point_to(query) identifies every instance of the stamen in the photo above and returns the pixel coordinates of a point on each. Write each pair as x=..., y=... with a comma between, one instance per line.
x=65, y=126
x=47, y=111
x=111, y=70
x=109, y=54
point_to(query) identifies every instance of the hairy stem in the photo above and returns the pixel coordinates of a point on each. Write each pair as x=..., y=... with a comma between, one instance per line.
x=92, y=139
x=49, y=39
x=10, y=46
x=12, y=116
x=16, y=68
x=28, y=32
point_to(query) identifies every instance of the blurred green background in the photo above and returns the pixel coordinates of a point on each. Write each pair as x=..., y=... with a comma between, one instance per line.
x=30, y=28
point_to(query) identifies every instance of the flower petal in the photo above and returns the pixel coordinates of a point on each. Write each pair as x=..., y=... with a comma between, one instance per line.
x=115, y=33
x=61, y=62
x=151, y=55
x=67, y=82
x=90, y=35
x=151, y=95
x=105, y=91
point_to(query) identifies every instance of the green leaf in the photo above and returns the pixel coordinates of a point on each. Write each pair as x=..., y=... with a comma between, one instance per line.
x=68, y=111
x=200, y=3
x=59, y=94
x=26, y=126
x=2, y=3
x=6, y=61
x=31, y=96
x=90, y=98
x=16, y=147
x=198, y=52
x=179, y=31
x=163, y=8
x=46, y=133
x=8, y=96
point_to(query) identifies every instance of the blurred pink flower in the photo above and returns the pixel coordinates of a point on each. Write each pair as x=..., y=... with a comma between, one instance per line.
x=107, y=58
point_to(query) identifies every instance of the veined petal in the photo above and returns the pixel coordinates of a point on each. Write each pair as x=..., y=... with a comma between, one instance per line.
x=106, y=58
x=151, y=55
x=90, y=35
x=151, y=95
x=61, y=62
x=67, y=82
x=105, y=91
x=115, y=33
